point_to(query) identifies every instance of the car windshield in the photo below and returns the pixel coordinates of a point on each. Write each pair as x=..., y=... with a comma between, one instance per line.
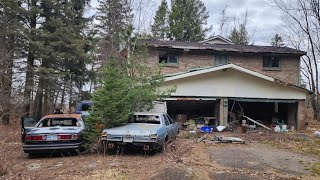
x=52, y=122
x=152, y=119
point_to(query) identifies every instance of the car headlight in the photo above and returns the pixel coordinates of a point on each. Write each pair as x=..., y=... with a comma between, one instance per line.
x=104, y=134
x=153, y=136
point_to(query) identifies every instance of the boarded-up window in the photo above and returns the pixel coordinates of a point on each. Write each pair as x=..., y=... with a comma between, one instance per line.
x=221, y=60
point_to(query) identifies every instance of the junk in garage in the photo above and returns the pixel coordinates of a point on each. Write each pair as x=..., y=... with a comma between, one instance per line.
x=250, y=114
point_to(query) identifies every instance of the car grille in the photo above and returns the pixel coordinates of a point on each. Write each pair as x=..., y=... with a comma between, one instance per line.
x=142, y=139
x=114, y=138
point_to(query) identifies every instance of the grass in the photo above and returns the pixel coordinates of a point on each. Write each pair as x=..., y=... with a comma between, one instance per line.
x=316, y=168
x=309, y=146
x=188, y=135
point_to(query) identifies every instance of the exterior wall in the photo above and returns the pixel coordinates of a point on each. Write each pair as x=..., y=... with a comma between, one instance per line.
x=301, y=114
x=231, y=83
x=223, y=112
x=290, y=65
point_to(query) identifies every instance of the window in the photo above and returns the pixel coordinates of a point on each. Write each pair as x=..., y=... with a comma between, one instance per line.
x=221, y=60
x=151, y=119
x=170, y=120
x=168, y=58
x=58, y=122
x=271, y=62
x=166, y=120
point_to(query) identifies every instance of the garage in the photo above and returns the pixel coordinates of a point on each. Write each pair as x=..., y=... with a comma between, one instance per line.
x=221, y=92
x=268, y=112
x=186, y=109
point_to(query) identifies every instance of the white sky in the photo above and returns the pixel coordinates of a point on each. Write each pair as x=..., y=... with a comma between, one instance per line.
x=264, y=21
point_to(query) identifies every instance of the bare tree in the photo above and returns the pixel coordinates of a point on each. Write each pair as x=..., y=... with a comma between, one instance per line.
x=302, y=20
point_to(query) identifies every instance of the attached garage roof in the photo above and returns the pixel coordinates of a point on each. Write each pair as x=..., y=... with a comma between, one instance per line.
x=230, y=66
x=231, y=81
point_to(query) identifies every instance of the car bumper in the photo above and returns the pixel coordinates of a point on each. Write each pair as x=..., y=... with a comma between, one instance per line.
x=47, y=147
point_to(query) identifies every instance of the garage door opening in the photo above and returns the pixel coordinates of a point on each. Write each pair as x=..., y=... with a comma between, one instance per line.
x=183, y=110
x=269, y=113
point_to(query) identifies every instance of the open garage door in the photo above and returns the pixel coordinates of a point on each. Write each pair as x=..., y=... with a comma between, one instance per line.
x=183, y=110
x=269, y=112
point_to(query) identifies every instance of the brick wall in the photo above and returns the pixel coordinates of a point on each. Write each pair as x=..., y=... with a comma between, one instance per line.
x=290, y=66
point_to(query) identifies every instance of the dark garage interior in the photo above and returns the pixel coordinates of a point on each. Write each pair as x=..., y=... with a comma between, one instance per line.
x=265, y=112
x=192, y=109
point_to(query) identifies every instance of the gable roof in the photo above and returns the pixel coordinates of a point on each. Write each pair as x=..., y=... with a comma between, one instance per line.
x=180, y=45
x=218, y=37
x=234, y=67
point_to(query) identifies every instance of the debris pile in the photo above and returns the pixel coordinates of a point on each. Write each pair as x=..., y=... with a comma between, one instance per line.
x=219, y=139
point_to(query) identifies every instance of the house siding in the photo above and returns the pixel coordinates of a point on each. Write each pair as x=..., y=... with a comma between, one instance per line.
x=289, y=72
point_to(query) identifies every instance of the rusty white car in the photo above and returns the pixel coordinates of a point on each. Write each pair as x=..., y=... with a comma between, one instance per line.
x=54, y=132
x=148, y=130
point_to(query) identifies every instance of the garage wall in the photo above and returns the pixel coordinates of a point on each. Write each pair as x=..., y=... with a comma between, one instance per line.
x=232, y=83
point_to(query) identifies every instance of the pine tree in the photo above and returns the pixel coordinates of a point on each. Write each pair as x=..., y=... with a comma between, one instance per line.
x=62, y=47
x=241, y=36
x=160, y=27
x=114, y=18
x=277, y=41
x=187, y=20
x=10, y=49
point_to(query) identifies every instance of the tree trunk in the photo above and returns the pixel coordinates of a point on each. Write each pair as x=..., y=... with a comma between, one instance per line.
x=30, y=60
x=7, y=83
x=63, y=94
x=37, y=111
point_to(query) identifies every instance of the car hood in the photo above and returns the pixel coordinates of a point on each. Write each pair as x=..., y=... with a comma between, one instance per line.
x=134, y=129
x=55, y=130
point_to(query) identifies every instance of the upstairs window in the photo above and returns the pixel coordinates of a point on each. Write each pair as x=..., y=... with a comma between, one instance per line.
x=168, y=58
x=221, y=60
x=271, y=62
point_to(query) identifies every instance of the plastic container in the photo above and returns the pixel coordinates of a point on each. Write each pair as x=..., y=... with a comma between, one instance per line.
x=206, y=129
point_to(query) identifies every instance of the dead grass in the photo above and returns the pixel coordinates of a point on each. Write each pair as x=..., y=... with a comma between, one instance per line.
x=316, y=168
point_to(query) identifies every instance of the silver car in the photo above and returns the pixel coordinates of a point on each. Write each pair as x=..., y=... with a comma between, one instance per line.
x=148, y=130
x=52, y=133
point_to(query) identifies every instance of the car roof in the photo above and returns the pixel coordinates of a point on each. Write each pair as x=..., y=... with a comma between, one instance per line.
x=148, y=113
x=78, y=116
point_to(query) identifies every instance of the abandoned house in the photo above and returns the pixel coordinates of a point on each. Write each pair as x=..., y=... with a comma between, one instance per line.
x=215, y=78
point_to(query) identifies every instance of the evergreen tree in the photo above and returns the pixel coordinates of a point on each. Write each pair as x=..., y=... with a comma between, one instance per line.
x=114, y=18
x=241, y=36
x=62, y=46
x=186, y=20
x=160, y=27
x=277, y=41
x=10, y=49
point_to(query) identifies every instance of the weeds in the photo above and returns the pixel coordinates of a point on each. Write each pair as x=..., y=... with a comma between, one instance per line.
x=316, y=168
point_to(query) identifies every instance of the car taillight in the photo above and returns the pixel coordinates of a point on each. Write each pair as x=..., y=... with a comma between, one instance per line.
x=35, y=138
x=65, y=136
x=28, y=138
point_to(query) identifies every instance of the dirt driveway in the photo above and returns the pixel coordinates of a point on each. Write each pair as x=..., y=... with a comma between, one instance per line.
x=262, y=158
x=184, y=159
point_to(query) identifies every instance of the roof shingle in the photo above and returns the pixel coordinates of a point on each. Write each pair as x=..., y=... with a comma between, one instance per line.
x=221, y=47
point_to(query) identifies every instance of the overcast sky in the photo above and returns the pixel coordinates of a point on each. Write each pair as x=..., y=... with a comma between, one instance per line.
x=263, y=20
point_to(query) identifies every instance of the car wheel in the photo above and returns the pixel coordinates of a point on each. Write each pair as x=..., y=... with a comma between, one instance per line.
x=31, y=155
x=163, y=146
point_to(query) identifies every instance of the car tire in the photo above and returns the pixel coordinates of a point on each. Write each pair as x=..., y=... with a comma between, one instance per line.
x=31, y=155
x=163, y=147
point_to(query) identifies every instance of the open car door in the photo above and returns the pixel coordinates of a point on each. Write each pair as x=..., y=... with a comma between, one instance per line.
x=27, y=123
